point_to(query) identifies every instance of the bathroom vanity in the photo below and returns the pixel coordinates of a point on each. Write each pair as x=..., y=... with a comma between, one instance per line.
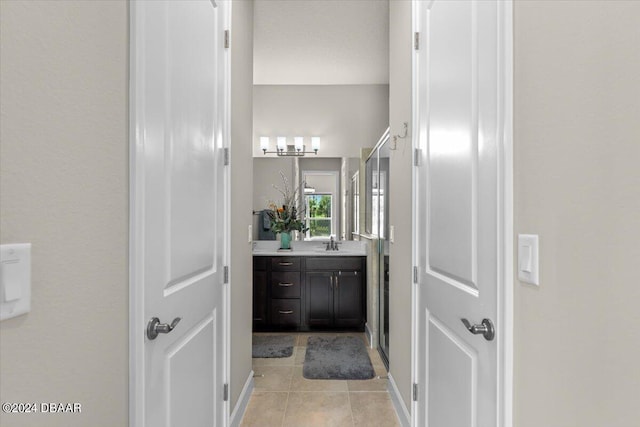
x=309, y=290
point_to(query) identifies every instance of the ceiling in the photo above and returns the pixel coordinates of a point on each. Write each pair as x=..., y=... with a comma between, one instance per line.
x=321, y=42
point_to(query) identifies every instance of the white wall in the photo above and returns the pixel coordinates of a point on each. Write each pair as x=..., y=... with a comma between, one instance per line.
x=318, y=42
x=346, y=117
x=64, y=188
x=577, y=185
x=400, y=193
x=241, y=277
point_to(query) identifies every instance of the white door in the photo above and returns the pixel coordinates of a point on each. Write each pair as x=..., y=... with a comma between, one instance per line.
x=460, y=125
x=179, y=212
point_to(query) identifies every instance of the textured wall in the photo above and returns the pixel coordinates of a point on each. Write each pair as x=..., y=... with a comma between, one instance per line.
x=64, y=188
x=577, y=185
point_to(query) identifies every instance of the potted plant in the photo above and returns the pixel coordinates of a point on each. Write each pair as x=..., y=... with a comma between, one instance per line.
x=285, y=216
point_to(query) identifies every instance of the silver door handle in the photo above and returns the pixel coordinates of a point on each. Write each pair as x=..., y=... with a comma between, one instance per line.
x=285, y=284
x=285, y=311
x=154, y=327
x=285, y=263
x=485, y=328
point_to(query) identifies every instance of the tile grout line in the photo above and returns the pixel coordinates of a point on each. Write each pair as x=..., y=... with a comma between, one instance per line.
x=353, y=423
x=284, y=413
x=286, y=405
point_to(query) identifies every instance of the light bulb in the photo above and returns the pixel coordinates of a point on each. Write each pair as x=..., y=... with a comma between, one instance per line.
x=315, y=143
x=264, y=143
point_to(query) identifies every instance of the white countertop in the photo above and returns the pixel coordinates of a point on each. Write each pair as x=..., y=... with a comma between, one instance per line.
x=317, y=248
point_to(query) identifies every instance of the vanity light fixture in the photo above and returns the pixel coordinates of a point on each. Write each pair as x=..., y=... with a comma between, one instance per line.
x=284, y=150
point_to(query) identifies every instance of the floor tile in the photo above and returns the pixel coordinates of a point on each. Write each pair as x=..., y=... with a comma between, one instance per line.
x=299, y=383
x=300, y=355
x=379, y=383
x=272, y=378
x=318, y=409
x=373, y=409
x=265, y=409
x=376, y=360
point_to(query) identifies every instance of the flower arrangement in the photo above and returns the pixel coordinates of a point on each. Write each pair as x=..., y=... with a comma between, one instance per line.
x=286, y=217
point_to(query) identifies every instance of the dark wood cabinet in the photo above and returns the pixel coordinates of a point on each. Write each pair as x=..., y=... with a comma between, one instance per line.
x=335, y=298
x=309, y=293
x=282, y=292
x=259, y=298
x=319, y=298
x=348, y=299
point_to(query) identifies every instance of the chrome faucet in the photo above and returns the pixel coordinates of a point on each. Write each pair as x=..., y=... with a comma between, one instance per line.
x=332, y=245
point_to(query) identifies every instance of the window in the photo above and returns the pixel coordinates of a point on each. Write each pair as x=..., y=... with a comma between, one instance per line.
x=318, y=215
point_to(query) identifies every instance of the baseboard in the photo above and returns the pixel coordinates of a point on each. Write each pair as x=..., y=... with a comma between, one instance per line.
x=368, y=334
x=243, y=401
x=403, y=413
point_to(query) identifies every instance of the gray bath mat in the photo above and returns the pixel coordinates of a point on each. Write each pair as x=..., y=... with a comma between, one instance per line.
x=337, y=358
x=269, y=346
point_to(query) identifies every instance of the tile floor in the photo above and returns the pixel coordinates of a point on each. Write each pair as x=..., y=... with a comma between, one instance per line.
x=283, y=397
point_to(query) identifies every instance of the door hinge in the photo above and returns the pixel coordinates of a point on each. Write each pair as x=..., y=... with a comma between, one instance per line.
x=415, y=274
x=416, y=41
x=415, y=392
x=226, y=39
x=226, y=156
x=226, y=274
x=225, y=392
x=416, y=156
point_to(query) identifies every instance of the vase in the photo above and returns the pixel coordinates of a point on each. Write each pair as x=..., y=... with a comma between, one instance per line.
x=285, y=240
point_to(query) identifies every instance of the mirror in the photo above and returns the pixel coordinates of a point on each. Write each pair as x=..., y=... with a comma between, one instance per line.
x=326, y=194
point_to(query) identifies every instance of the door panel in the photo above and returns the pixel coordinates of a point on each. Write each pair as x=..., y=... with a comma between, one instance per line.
x=457, y=205
x=452, y=143
x=192, y=350
x=319, y=296
x=452, y=371
x=179, y=205
x=348, y=299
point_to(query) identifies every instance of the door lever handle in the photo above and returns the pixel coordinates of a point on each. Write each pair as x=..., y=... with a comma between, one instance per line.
x=154, y=327
x=485, y=329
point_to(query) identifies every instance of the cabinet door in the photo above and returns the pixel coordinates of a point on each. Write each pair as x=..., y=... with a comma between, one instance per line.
x=348, y=299
x=319, y=298
x=259, y=299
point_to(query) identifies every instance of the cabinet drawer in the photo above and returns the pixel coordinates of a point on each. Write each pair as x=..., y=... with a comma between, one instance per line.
x=336, y=263
x=285, y=263
x=285, y=284
x=260, y=263
x=285, y=312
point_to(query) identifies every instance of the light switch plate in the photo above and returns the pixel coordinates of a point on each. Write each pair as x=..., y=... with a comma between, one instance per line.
x=250, y=234
x=528, y=265
x=15, y=280
x=392, y=234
